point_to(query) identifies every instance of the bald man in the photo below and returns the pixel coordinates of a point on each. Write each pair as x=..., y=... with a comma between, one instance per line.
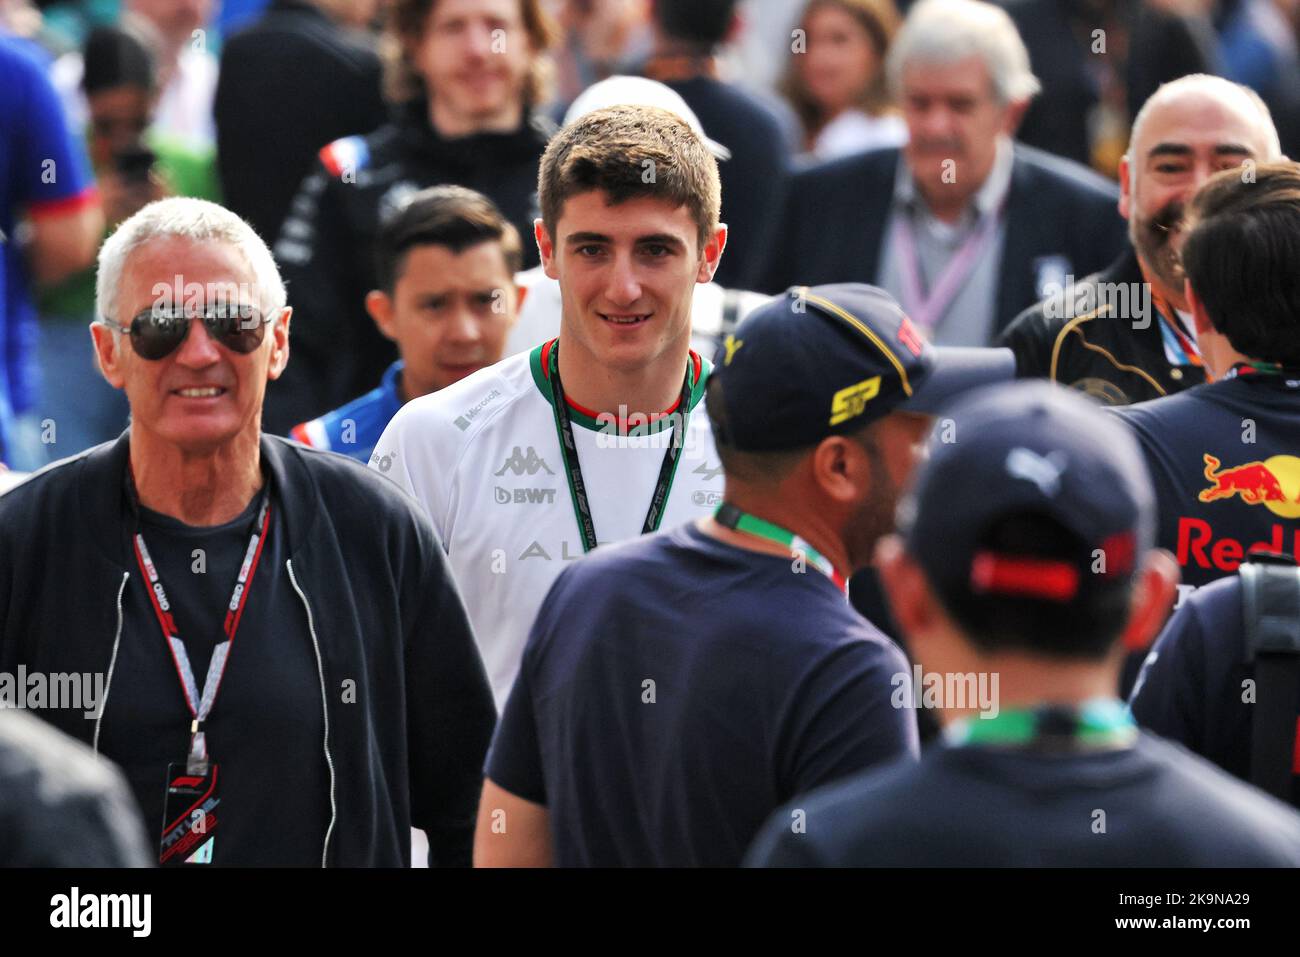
x=1125, y=335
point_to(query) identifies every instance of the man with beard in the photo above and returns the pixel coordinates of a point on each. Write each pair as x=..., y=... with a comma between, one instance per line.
x=677, y=688
x=1125, y=334
x=473, y=74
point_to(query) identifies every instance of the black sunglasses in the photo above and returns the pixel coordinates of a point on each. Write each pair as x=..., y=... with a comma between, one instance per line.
x=156, y=333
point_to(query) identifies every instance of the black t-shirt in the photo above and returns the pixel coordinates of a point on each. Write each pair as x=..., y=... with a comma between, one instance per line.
x=1150, y=805
x=675, y=689
x=266, y=731
x=1192, y=688
x=1225, y=462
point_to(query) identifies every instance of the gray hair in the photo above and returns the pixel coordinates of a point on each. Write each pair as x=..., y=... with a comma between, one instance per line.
x=946, y=31
x=194, y=219
x=1211, y=86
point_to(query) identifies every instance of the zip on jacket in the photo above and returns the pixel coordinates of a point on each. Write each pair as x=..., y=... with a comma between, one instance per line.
x=320, y=671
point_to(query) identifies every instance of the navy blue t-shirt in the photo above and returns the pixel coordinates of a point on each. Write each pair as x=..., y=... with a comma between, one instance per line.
x=1225, y=460
x=1192, y=688
x=675, y=689
x=1150, y=805
x=266, y=731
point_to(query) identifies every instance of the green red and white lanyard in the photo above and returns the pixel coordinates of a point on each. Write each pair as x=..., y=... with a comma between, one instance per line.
x=573, y=468
x=728, y=516
x=200, y=703
x=1101, y=724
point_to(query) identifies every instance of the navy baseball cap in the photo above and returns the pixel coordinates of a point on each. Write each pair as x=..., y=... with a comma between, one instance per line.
x=1021, y=451
x=827, y=360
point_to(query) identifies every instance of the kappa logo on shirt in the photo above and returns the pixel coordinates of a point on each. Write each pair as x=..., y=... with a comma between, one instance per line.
x=521, y=463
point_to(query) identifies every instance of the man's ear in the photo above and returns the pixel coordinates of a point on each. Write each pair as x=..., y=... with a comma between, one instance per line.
x=905, y=587
x=380, y=306
x=279, y=343
x=108, y=355
x=545, y=249
x=1125, y=186
x=712, y=254
x=1015, y=112
x=836, y=468
x=1153, y=597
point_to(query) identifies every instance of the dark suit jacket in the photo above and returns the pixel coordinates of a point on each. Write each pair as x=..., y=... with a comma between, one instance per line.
x=836, y=213
x=753, y=180
x=1170, y=44
x=289, y=84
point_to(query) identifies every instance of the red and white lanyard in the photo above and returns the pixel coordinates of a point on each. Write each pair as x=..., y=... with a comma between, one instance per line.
x=925, y=309
x=200, y=705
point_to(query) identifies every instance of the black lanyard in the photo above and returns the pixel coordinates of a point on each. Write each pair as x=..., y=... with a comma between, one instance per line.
x=200, y=703
x=573, y=468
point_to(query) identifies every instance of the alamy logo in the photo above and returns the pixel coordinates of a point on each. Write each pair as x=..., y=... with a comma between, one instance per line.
x=524, y=464
x=132, y=911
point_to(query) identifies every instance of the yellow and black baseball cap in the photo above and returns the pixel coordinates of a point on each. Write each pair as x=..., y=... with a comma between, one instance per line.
x=827, y=360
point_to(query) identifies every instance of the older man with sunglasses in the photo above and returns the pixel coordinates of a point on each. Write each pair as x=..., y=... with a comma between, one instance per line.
x=287, y=673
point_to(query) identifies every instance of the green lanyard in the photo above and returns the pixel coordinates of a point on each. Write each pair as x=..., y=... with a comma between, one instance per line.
x=1100, y=724
x=573, y=468
x=728, y=516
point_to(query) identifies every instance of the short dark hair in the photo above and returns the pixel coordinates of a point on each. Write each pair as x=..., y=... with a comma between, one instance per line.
x=701, y=23
x=1086, y=628
x=450, y=216
x=1242, y=256
x=612, y=149
x=116, y=56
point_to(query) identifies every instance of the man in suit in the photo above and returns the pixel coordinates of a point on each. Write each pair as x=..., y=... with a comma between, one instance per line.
x=963, y=227
x=1126, y=334
x=687, y=36
x=274, y=77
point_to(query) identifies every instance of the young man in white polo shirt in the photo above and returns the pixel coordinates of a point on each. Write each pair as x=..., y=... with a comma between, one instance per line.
x=595, y=436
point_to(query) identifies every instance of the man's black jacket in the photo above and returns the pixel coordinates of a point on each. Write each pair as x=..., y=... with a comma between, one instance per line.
x=1163, y=45
x=290, y=83
x=1101, y=337
x=836, y=215
x=326, y=245
x=377, y=596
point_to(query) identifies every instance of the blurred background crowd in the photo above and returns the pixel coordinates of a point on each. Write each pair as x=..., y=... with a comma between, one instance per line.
x=310, y=118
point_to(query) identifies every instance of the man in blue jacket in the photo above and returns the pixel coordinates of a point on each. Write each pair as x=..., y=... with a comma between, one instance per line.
x=289, y=676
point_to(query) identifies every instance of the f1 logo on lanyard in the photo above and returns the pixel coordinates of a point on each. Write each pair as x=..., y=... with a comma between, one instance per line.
x=190, y=799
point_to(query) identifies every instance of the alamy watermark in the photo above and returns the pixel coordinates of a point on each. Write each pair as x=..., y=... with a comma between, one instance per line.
x=950, y=690
x=39, y=690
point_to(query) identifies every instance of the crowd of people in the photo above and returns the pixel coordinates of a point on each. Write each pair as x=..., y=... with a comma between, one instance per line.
x=650, y=432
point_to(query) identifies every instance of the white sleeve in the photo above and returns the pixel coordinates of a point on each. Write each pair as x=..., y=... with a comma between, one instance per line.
x=418, y=451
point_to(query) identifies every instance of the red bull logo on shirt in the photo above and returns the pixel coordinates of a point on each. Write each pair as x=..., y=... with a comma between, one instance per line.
x=1274, y=483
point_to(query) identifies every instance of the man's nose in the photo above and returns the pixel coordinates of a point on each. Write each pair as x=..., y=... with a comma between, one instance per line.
x=198, y=350
x=936, y=123
x=463, y=326
x=623, y=287
x=478, y=39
